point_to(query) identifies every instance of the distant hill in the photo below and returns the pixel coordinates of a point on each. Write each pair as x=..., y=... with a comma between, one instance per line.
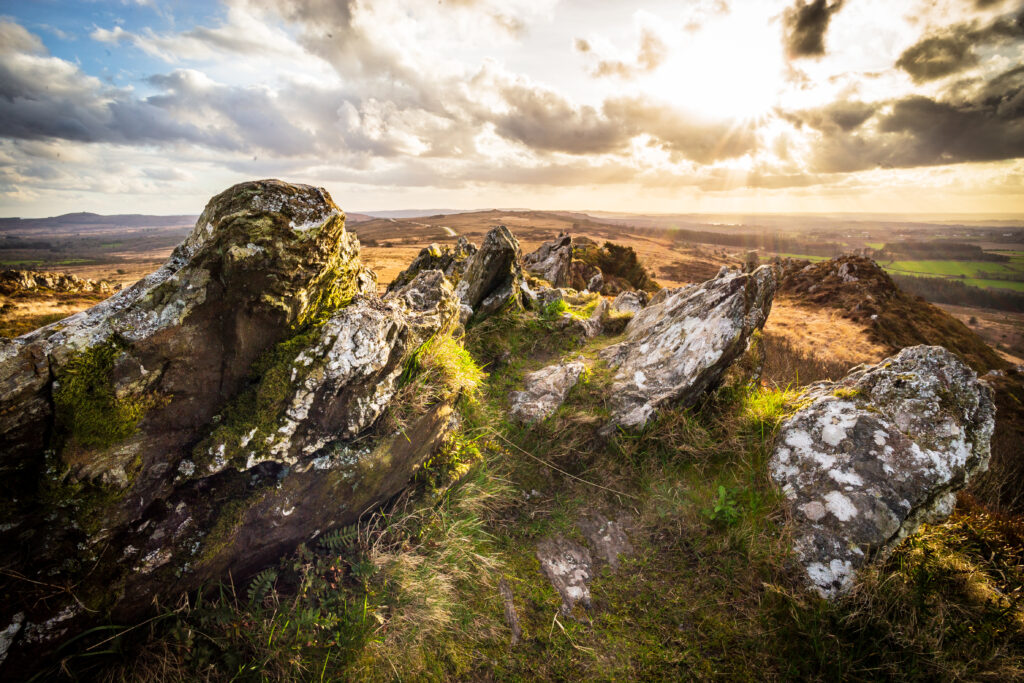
x=86, y=220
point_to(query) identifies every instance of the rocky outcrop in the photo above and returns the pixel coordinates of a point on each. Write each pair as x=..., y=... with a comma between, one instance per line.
x=552, y=261
x=579, y=263
x=678, y=348
x=16, y=281
x=450, y=260
x=544, y=390
x=493, y=276
x=209, y=417
x=870, y=458
x=631, y=301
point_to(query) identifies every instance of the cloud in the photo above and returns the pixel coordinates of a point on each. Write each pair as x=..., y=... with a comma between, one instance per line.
x=805, y=25
x=953, y=49
x=921, y=131
x=651, y=53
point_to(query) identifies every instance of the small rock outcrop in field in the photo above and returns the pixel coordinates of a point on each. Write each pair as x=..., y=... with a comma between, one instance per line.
x=450, y=260
x=878, y=453
x=552, y=261
x=493, y=276
x=632, y=301
x=15, y=281
x=678, y=348
x=544, y=390
x=210, y=417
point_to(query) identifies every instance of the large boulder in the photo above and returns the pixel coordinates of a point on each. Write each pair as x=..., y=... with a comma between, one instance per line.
x=544, y=390
x=678, y=348
x=871, y=457
x=493, y=276
x=631, y=301
x=450, y=260
x=207, y=418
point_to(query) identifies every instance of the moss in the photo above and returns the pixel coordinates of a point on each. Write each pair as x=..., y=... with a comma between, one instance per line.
x=87, y=409
x=846, y=392
x=254, y=414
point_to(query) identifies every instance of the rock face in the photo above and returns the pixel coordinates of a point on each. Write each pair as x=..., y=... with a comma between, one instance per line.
x=12, y=281
x=632, y=301
x=210, y=416
x=448, y=259
x=552, y=261
x=877, y=454
x=544, y=390
x=678, y=348
x=493, y=276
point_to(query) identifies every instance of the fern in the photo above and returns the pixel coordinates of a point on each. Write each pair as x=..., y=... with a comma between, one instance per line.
x=339, y=539
x=261, y=585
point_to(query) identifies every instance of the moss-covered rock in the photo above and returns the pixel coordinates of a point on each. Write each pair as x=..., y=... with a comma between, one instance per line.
x=218, y=410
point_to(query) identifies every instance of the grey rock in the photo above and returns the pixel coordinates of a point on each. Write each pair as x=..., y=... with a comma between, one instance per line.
x=245, y=378
x=632, y=301
x=450, y=260
x=552, y=261
x=493, y=276
x=544, y=390
x=569, y=568
x=607, y=537
x=678, y=348
x=875, y=455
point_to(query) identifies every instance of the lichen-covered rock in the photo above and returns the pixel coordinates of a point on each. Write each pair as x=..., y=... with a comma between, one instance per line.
x=448, y=259
x=552, y=261
x=873, y=456
x=632, y=301
x=544, y=390
x=209, y=417
x=493, y=276
x=678, y=348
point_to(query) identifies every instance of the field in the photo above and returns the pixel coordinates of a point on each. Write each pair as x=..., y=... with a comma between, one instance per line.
x=1008, y=275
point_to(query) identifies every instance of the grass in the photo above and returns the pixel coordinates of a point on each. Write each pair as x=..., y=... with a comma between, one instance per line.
x=710, y=591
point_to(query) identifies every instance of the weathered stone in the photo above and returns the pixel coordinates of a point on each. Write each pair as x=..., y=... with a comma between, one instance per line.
x=873, y=456
x=493, y=277
x=448, y=259
x=568, y=566
x=607, y=537
x=552, y=261
x=544, y=390
x=208, y=418
x=632, y=301
x=678, y=348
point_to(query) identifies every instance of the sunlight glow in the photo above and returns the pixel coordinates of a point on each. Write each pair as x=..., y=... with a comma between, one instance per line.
x=731, y=68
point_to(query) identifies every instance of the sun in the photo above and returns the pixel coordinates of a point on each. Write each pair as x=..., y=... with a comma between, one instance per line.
x=732, y=68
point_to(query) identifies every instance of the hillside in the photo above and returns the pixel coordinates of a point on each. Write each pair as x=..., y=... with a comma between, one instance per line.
x=478, y=476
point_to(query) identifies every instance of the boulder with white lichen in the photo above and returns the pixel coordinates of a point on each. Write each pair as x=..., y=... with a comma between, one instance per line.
x=210, y=417
x=679, y=348
x=871, y=457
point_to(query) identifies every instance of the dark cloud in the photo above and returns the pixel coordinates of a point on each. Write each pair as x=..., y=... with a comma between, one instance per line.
x=921, y=131
x=651, y=53
x=805, y=25
x=843, y=116
x=546, y=121
x=953, y=49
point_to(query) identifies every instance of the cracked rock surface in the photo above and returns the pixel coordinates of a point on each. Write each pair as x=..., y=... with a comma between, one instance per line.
x=678, y=346
x=493, y=276
x=873, y=456
x=544, y=390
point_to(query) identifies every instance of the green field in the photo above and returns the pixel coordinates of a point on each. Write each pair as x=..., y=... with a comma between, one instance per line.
x=972, y=273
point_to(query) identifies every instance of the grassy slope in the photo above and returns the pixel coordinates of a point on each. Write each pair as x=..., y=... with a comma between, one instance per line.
x=708, y=594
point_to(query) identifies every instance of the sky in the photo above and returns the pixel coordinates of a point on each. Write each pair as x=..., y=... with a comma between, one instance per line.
x=775, y=106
